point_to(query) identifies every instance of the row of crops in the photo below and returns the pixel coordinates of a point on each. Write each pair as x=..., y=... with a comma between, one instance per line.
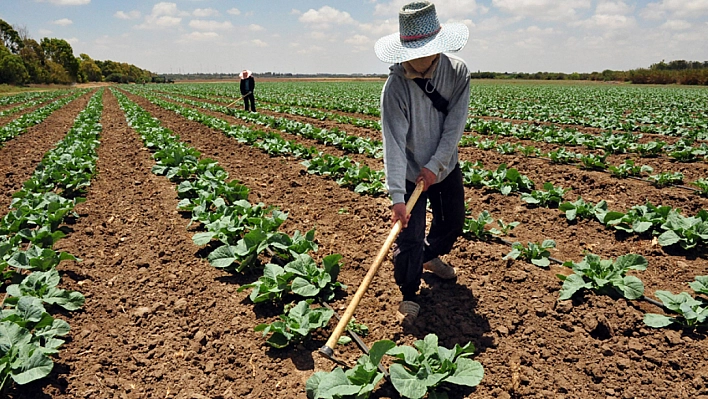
x=239, y=234
x=602, y=275
x=666, y=223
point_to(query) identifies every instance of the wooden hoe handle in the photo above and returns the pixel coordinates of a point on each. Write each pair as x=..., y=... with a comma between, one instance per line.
x=328, y=349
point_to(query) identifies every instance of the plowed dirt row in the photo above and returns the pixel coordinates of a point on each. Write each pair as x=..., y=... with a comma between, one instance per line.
x=159, y=321
x=362, y=159
x=19, y=157
x=9, y=118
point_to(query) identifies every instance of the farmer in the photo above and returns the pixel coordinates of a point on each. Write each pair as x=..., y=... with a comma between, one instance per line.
x=424, y=107
x=247, y=87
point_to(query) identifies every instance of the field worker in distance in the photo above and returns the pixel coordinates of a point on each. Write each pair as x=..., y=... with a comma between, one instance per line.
x=424, y=107
x=247, y=87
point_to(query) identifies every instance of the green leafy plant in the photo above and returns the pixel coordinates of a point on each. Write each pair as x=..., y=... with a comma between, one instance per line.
x=702, y=185
x=638, y=220
x=426, y=368
x=312, y=281
x=537, y=254
x=628, y=168
x=473, y=173
x=580, y=209
x=550, y=197
x=604, y=276
x=593, y=161
x=650, y=149
x=479, y=227
x=700, y=285
x=529, y=151
x=355, y=383
x=28, y=335
x=295, y=325
x=665, y=179
x=507, y=180
x=693, y=312
x=43, y=285
x=507, y=148
x=563, y=156
x=271, y=286
x=688, y=232
x=504, y=228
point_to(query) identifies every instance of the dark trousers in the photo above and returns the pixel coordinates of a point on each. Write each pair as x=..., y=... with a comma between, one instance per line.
x=250, y=98
x=413, y=248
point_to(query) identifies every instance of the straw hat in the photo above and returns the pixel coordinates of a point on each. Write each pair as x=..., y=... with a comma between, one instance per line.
x=244, y=74
x=420, y=35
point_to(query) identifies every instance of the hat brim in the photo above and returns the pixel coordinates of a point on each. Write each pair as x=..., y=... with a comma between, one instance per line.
x=241, y=75
x=451, y=38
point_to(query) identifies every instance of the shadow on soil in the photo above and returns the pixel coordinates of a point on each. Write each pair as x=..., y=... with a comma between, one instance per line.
x=448, y=309
x=56, y=381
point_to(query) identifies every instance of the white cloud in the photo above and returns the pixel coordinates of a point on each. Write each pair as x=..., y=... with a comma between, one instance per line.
x=359, y=43
x=613, y=8
x=234, y=11
x=359, y=40
x=127, y=15
x=63, y=22
x=676, y=24
x=312, y=50
x=446, y=9
x=203, y=25
x=73, y=41
x=380, y=29
x=255, y=28
x=325, y=17
x=200, y=36
x=67, y=2
x=259, y=43
x=550, y=10
x=606, y=21
x=675, y=9
x=45, y=32
x=164, y=15
x=205, y=12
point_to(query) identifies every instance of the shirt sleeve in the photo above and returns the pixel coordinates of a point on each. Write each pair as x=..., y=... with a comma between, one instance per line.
x=454, y=125
x=394, y=125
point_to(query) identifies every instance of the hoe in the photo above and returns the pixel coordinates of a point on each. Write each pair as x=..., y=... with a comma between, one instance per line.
x=328, y=349
x=242, y=97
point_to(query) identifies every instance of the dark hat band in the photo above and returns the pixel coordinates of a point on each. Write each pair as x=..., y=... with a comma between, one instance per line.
x=418, y=37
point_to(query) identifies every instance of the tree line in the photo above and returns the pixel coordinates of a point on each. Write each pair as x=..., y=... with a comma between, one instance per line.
x=674, y=72
x=23, y=60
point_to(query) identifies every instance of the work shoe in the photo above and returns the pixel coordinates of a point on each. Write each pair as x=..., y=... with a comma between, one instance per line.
x=440, y=269
x=408, y=312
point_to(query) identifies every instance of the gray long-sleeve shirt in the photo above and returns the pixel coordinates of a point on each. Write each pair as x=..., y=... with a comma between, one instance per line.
x=415, y=134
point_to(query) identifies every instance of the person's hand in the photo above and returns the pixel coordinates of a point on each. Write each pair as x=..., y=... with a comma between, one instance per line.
x=427, y=176
x=399, y=213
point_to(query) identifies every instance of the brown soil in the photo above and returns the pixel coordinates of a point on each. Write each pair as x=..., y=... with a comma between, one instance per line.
x=159, y=321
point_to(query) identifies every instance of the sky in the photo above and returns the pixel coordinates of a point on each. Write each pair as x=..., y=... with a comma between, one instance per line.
x=334, y=36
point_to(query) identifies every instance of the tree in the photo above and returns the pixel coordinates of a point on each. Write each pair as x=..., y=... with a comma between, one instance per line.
x=12, y=70
x=60, y=52
x=88, y=69
x=10, y=38
x=57, y=74
x=33, y=58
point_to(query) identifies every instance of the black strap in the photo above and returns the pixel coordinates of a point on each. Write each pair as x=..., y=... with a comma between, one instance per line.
x=439, y=102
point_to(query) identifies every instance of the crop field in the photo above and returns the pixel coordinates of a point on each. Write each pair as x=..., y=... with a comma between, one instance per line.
x=155, y=243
